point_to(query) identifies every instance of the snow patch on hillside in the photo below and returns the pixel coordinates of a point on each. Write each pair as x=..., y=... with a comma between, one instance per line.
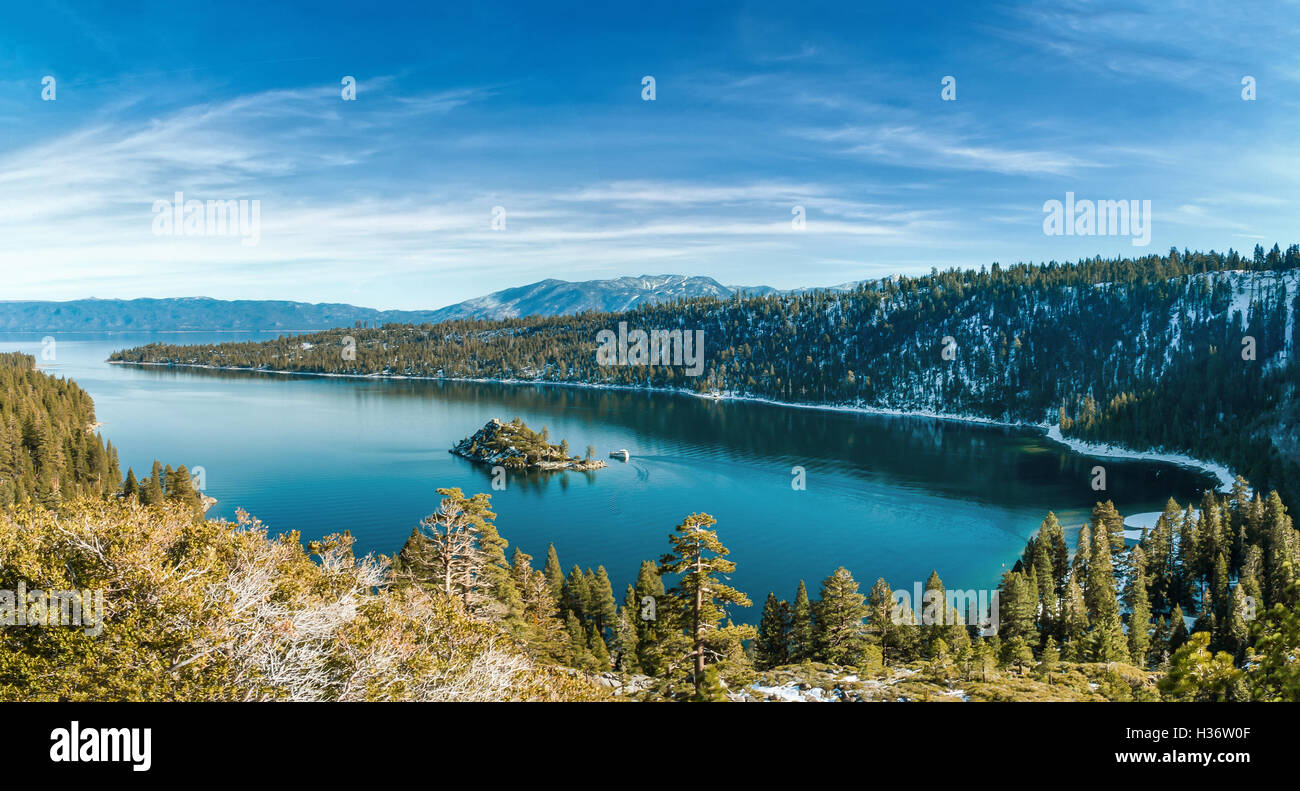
x=1106, y=450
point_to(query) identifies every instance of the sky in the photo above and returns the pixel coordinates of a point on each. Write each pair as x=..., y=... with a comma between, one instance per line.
x=493, y=145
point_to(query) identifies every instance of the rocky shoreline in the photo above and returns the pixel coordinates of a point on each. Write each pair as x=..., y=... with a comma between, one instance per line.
x=514, y=446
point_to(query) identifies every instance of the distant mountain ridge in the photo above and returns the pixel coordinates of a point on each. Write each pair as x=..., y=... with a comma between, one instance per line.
x=191, y=313
x=550, y=297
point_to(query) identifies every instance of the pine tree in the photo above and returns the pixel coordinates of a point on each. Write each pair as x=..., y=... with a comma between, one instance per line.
x=1139, y=638
x=772, y=645
x=1105, y=517
x=1161, y=561
x=1018, y=603
x=1051, y=659
x=839, y=633
x=1082, y=554
x=538, y=621
x=155, y=485
x=1187, y=559
x=652, y=622
x=452, y=551
x=1016, y=652
x=604, y=610
x=1107, y=636
x=802, y=645
x=700, y=558
x=1178, y=629
x=130, y=487
x=985, y=657
x=1048, y=603
x=1280, y=554
x=905, y=635
x=880, y=607
x=579, y=655
x=1220, y=602
x=633, y=606
x=180, y=486
x=957, y=635
x=934, y=611
x=1075, y=619
x=1274, y=674
x=1159, y=651
x=625, y=641
x=1234, y=636
x=576, y=595
x=599, y=650
x=940, y=660
x=1196, y=674
x=1052, y=535
x=554, y=572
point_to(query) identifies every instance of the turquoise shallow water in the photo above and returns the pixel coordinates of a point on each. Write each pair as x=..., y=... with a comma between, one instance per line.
x=886, y=496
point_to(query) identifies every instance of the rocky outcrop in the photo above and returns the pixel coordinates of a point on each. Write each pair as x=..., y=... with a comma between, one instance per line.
x=515, y=446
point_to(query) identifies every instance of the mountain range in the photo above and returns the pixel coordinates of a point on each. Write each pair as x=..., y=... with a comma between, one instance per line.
x=553, y=297
x=550, y=297
x=189, y=314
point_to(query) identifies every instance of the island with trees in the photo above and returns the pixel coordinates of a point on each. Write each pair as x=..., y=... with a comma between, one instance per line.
x=1111, y=350
x=515, y=446
x=1204, y=607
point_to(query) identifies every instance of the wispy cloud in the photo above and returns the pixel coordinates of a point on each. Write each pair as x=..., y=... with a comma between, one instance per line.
x=761, y=117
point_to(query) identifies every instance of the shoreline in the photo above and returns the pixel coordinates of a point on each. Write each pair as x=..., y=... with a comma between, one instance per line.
x=1052, y=432
x=1221, y=472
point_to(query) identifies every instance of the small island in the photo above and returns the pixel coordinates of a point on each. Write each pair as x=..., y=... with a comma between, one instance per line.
x=515, y=446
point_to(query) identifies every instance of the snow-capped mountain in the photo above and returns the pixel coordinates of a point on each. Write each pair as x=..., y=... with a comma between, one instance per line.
x=550, y=297
x=553, y=297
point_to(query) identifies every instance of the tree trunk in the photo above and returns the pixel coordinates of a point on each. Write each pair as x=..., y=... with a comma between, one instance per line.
x=699, y=605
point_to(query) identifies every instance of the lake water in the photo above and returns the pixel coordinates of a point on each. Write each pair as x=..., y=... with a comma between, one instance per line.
x=886, y=496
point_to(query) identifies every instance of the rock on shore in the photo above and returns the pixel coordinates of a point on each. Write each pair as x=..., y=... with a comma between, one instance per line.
x=513, y=445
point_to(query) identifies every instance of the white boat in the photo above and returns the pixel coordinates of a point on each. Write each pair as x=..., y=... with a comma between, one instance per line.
x=621, y=453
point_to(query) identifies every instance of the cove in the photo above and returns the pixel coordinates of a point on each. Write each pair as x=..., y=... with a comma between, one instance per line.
x=887, y=496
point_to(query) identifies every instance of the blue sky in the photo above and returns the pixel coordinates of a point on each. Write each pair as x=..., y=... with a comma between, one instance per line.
x=387, y=201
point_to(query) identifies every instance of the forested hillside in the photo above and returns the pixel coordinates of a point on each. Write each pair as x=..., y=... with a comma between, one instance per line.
x=206, y=610
x=1204, y=608
x=1187, y=352
x=48, y=446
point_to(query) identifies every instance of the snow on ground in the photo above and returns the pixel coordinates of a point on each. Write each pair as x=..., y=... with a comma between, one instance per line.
x=1140, y=522
x=1103, y=450
x=1135, y=525
x=795, y=693
x=1106, y=450
x=788, y=692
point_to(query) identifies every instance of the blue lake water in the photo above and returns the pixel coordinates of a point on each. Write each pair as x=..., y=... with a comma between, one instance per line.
x=885, y=496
